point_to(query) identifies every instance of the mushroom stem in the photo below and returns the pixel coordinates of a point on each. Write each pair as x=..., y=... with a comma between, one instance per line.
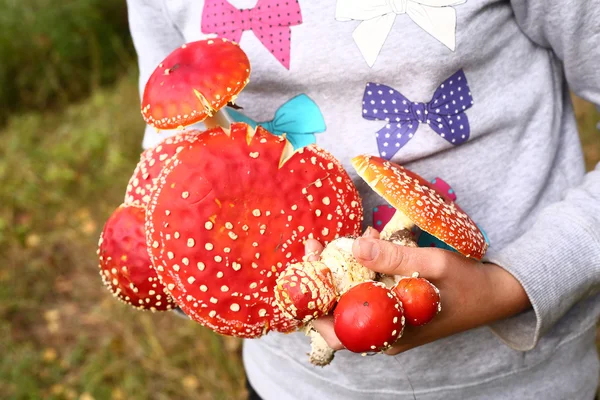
x=399, y=222
x=398, y=231
x=320, y=352
x=220, y=118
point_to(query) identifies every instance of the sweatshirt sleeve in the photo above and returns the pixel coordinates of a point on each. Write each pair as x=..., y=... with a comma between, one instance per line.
x=154, y=38
x=557, y=261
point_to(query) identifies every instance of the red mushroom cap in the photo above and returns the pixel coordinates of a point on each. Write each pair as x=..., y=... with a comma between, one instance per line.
x=194, y=82
x=231, y=211
x=420, y=299
x=420, y=202
x=125, y=265
x=305, y=291
x=368, y=317
x=142, y=182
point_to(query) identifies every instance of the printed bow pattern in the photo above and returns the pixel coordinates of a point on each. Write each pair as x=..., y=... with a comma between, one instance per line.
x=436, y=17
x=299, y=119
x=445, y=113
x=270, y=20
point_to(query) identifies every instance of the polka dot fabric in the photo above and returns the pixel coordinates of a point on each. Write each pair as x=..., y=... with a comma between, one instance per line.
x=270, y=20
x=445, y=113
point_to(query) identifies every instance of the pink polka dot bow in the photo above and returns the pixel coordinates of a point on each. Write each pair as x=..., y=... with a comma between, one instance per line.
x=270, y=20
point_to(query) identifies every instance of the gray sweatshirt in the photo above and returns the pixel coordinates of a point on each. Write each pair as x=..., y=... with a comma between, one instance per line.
x=474, y=92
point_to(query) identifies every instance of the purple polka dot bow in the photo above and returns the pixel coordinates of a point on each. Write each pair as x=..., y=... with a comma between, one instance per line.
x=270, y=20
x=445, y=113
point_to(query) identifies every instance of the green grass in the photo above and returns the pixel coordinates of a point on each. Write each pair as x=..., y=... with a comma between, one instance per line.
x=61, y=333
x=62, y=175
x=55, y=51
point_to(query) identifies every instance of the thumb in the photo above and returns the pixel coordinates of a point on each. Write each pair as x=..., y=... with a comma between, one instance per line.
x=392, y=259
x=312, y=250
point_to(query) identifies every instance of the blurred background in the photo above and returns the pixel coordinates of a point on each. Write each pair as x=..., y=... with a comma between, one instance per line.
x=70, y=137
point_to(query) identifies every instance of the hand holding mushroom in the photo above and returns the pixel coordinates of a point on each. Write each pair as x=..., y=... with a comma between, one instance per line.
x=475, y=294
x=419, y=205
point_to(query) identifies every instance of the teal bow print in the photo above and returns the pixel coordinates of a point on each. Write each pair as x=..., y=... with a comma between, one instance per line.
x=299, y=118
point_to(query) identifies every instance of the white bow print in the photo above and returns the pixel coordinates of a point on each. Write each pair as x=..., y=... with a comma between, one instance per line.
x=436, y=17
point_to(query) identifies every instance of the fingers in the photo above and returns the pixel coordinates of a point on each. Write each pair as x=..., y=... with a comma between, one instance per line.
x=371, y=233
x=324, y=326
x=312, y=250
x=391, y=259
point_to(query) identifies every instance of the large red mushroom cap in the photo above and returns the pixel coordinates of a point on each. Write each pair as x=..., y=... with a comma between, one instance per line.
x=368, y=318
x=231, y=211
x=420, y=202
x=125, y=265
x=194, y=82
x=144, y=178
x=305, y=291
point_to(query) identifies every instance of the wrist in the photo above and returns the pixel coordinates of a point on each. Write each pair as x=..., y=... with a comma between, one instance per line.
x=506, y=294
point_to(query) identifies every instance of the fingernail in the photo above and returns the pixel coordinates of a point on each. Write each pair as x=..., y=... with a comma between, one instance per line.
x=367, y=232
x=367, y=249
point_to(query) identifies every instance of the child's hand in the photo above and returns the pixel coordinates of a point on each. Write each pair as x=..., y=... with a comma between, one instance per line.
x=473, y=294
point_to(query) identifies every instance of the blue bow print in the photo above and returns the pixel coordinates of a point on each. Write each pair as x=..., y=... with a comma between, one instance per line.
x=445, y=113
x=299, y=118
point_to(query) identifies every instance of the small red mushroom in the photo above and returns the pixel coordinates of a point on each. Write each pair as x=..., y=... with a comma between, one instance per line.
x=124, y=262
x=193, y=83
x=231, y=211
x=368, y=318
x=420, y=299
x=305, y=291
x=152, y=160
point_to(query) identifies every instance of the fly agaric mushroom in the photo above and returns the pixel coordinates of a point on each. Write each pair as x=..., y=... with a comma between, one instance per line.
x=418, y=203
x=230, y=211
x=125, y=265
x=152, y=160
x=368, y=318
x=193, y=83
x=305, y=291
x=420, y=298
